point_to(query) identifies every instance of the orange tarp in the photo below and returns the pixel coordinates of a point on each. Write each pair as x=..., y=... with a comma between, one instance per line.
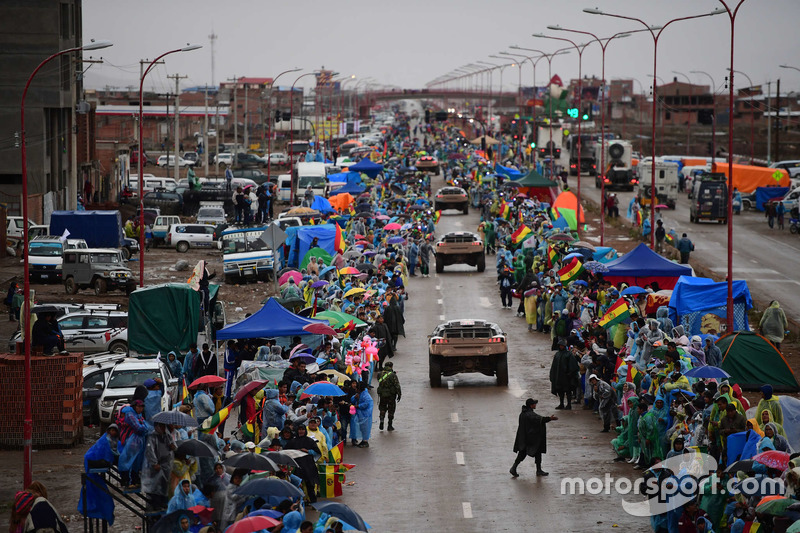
x=341, y=202
x=568, y=200
x=748, y=178
x=694, y=162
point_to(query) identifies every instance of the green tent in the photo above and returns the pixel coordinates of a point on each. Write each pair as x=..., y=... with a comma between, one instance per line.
x=319, y=253
x=753, y=361
x=163, y=318
x=337, y=319
x=534, y=179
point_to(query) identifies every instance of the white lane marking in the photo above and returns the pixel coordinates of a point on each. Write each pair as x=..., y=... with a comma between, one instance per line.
x=771, y=280
x=485, y=302
x=441, y=317
x=438, y=287
x=514, y=388
x=460, y=458
x=466, y=507
x=454, y=418
x=451, y=385
x=440, y=301
x=746, y=270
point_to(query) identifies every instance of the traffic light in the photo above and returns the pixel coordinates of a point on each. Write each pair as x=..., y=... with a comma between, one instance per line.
x=277, y=115
x=427, y=116
x=287, y=115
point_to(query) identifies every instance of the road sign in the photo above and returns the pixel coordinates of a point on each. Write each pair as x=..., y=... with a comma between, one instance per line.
x=274, y=236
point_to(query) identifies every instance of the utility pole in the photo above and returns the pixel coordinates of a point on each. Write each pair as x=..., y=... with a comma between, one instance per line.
x=235, y=117
x=769, y=122
x=246, y=120
x=205, y=131
x=778, y=122
x=177, y=78
x=212, y=38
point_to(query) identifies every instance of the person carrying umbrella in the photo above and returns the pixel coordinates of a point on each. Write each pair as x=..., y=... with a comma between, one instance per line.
x=531, y=440
x=389, y=393
x=157, y=466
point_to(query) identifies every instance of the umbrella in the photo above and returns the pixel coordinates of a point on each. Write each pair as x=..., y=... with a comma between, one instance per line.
x=393, y=226
x=304, y=357
x=206, y=380
x=366, y=267
x=584, y=244
x=369, y=253
x=256, y=384
x=632, y=291
x=326, y=270
x=381, y=217
x=171, y=522
x=595, y=266
x=794, y=528
x=202, y=512
x=323, y=388
x=707, y=372
x=292, y=302
x=294, y=454
x=405, y=227
x=175, y=418
x=302, y=211
x=350, y=254
x=774, y=505
x=252, y=523
x=251, y=461
x=341, y=378
x=319, y=329
x=745, y=465
x=318, y=284
x=580, y=282
x=272, y=513
x=342, y=512
x=195, y=448
x=299, y=348
x=395, y=240
x=566, y=237
x=417, y=207
x=662, y=206
x=337, y=319
x=773, y=459
x=280, y=458
x=294, y=274
x=571, y=256
x=355, y=291
x=269, y=487
x=348, y=270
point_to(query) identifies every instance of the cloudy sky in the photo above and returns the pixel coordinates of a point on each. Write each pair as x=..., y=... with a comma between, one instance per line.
x=410, y=42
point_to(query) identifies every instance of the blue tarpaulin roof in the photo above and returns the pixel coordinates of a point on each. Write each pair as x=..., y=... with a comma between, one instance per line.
x=322, y=205
x=351, y=188
x=698, y=294
x=764, y=194
x=272, y=320
x=642, y=265
x=299, y=239
x=506, y=171
x=345, y=177
x=367, y=167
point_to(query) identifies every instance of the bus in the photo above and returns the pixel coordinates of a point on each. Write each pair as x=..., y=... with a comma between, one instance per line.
x=296, y=149
x=245, y=255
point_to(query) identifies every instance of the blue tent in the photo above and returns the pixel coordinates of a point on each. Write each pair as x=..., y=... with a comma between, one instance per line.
x=322, y=205
x=694, y=298
x=365, y=166
x=642, y=266
x=605, y=254
x=351, y=188
x=299, y=239
x=272, y=320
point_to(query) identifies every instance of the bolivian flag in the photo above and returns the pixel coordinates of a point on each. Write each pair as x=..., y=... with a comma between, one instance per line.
x=338, y=240
x=552, y=255
x=634, y=374
x=335, y=454
x=618, y=312
x=436, y=217
x=571, y=271
x=505, y=211
x=331, y=479
x=184, y=392
x=521, y=234
x=211, y=423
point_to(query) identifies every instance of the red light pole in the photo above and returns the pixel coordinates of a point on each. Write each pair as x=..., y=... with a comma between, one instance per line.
x=291, y=132
x=752, y=115
x=27, y=423
x=186, y=48
x=269, y=122
x=655, y=36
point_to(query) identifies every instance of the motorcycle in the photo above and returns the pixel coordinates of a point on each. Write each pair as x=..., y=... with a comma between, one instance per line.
x=794, y=225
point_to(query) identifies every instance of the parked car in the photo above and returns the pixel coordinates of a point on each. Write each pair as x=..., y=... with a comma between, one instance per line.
x=102, y=269
x=211, y=215
x=161, y=227
x=147, y=160
x=194, y=158
x=169, y=202
x=185, y=236
x=46, y=255
x=249, y=161
x=278, y=158
x=224, y=158
x=92, y=331
x=95, y=374
x=14, y=229
x=182, y=163
x=251, y=174
x=123, y=380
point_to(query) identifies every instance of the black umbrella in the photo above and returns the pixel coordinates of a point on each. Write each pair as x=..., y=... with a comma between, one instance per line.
x=175, y=418
x=342, y=512
x=418, y=207
x=266, y=487
x=366, y=267
x=172, y=521
x=281, y=458
x=291, y=303
x=195, y=448
x=251, y=461
x=745, y=465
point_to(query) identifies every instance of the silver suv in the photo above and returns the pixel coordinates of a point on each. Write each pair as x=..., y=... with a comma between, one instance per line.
x=103, y=269
x=92, y=332
x=123, y=380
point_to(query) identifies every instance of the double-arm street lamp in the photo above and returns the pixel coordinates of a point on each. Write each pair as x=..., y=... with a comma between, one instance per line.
x=270, y=121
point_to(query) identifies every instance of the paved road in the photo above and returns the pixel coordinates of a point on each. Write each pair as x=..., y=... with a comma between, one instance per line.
x=766, y=258
x=446, y=466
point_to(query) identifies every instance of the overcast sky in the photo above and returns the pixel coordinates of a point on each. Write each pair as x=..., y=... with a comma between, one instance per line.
x=411, y=42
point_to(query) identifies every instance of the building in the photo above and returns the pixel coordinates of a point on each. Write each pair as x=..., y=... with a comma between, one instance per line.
x=30, y=31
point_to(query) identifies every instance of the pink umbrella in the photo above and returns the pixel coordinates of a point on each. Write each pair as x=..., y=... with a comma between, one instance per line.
x=392, y=226
x=253, y=385
x=320, y=329
x=294, y=274
x=381, y=217
x=298, y=348
x=252, y=523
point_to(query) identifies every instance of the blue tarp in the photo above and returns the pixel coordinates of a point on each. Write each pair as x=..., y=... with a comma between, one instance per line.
x=272, y=320
x=703, y=296
x=322, y=205
x=605, y=254
x=642, y=266
x=506, y=171
x=764, y=194
x=299, y=240
x=365, y=166
x=351, y=188
x=345, y=177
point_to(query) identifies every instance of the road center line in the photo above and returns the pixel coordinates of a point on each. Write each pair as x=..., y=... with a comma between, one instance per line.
x=466, y=507
x=441, y=317
x=454, y=418
x=451, y=385
x=460, y=458
x=440, y=301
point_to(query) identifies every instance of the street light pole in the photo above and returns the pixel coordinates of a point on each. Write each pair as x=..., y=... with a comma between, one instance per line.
x=27, y=423
x=154, y=62
x=291, y=132
x=655, y=35
x=270, y=120
x=752, y=114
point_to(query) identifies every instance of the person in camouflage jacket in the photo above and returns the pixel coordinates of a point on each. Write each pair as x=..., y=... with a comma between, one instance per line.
x=388, y=392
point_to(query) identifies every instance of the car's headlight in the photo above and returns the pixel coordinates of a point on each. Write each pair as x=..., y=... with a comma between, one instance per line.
x=59, y=267
x=106, y=274
x=107, y=403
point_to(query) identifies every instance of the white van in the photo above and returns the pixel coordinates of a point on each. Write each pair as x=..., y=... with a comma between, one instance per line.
x=46, y=256
x=285, y=188
x=666, y=183
x=313, y=174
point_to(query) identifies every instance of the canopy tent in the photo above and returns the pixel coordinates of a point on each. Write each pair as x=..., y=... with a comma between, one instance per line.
x=490, y=141
x=350, y=188
x=319, y=253
x=322, y=205
x=345, y=177
x=272, y=320
x=642, y=266
x=534, y=184
x=748, y=178
x=163, y=318
x=568, y=200
x=752, y=361
x=299, y=239
x=700, y=304
x=365, y=166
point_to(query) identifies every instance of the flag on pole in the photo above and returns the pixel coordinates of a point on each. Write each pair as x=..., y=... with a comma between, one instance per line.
x=521, y=234
x=505, y=211
x=336, y=453
x=331, y=480
x=571, y=271
x=634, y=374
x=436, y=216
x=65, y=235
x=618, y=312
x=211, y=423
x=552, y=255
x=338, y=241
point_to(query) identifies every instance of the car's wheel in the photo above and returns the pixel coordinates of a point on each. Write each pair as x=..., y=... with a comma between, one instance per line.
x=482, y=263
x=793, y=229
x=126, y=253
x=439, y=264
x=466, y=210
x=746, y=205
x=182, y=247
x=99, y=286
x=118, y=347
x=691, y=218
x=70, y=287
x=502, y=370
x=434, y=371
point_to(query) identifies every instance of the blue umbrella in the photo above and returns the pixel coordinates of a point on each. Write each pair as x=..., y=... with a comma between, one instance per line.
x=395, y=240
x=580, y=282
x=707, y=372
x=272, y=513
x=572, y=255
x=269, y=487
x=326, y=270
x=595, y=266
x=305, y=357
x=323, y=388
x=632, y=291
x=318, y=284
